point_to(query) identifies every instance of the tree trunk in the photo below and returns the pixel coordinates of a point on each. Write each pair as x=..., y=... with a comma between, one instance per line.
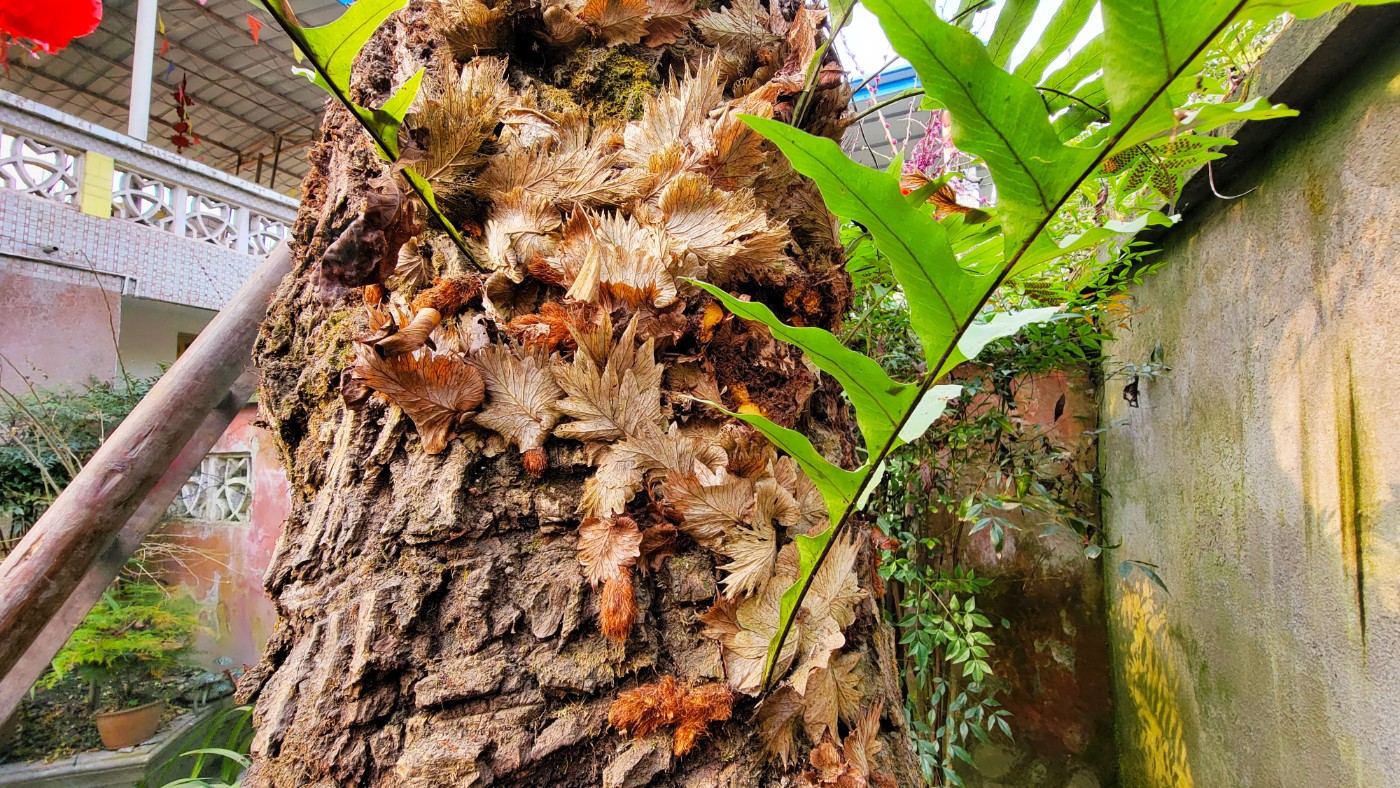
x=471, y=582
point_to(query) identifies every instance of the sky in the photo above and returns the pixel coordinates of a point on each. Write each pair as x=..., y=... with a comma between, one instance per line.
x=864, y=48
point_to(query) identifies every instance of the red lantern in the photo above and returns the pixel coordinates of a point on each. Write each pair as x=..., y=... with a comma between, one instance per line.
x=49, y=24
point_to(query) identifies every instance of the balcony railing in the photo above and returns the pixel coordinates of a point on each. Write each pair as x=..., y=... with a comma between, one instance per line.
x=47, y=154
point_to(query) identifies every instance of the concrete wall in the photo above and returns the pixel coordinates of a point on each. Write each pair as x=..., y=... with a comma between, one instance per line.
x=61, y=325
x=1052, y=662
x=1262, y=473
x=151, y=333
x=156, y=264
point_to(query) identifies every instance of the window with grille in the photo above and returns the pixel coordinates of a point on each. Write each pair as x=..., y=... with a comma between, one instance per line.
x=220, y=491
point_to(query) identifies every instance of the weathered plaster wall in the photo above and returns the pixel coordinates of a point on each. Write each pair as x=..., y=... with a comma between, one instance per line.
x=60, y=325
x=151, y=332
x=227, y=575
x=1262, y=474
x=1053, y=660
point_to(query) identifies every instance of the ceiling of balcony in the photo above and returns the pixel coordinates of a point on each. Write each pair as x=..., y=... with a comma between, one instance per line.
x=246, y=98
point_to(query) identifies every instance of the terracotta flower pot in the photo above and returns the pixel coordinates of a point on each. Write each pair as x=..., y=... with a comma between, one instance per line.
x=129, y=727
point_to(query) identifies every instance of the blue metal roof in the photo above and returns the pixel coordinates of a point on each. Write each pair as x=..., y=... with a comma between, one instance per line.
x=892, y=81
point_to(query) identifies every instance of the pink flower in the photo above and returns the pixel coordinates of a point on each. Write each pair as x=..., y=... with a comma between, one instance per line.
x=49, y=24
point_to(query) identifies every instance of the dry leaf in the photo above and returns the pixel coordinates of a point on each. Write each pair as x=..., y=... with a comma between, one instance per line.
x=658, y=544
x=616, y=21
x=835, y=588
x=833, y=693
x=613, y=397
x=752, y=549
x=745, y=629
x=726, y=232
x=607, y=545
x=811, y=509
x=740, y=28
x=777, y=718
x=829, y=768
x=522, y=406
x=433, y=390
x=668, y=22
x=577, y=166
x=456, y=123
x=520, y=232
x=710, y=511
x=471, y=26
x=863, y=742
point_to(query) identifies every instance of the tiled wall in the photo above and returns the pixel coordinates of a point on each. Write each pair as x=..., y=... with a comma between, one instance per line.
x=154, y=264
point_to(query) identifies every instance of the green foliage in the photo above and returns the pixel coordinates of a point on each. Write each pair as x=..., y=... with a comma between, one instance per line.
x=46, y=436
x=233, y=729
x=1140, y=71
x=137, y=633
x=944, y=641
x=331, y=50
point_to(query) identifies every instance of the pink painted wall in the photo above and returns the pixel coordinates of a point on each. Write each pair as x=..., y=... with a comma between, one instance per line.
x=56, y=332
x=227, y=578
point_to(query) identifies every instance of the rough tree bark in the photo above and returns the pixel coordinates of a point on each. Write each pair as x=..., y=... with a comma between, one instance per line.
x=438, y=621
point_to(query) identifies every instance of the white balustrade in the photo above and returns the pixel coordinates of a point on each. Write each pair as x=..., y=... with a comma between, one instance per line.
x=38, y=168
x=42, y=152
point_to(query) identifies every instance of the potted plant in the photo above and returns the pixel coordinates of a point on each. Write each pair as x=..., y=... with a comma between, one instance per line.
x=134, y=637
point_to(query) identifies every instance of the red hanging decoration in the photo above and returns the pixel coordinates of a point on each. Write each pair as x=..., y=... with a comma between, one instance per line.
x=48, y=25
x=254, y=27
x=183, y=137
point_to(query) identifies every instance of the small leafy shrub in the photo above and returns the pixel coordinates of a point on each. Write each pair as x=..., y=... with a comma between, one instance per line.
x=137, y=635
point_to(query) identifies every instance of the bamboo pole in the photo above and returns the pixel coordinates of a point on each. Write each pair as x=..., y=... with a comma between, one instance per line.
x=16, y=683
x=43, y=571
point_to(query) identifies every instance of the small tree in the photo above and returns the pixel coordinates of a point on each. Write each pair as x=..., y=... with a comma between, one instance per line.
x=135, y=635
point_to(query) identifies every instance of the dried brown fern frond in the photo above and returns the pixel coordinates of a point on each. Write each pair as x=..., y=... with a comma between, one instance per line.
x=577, y=166
x=521, y=232
x=712, y=510
x=740, y=29
x=471, y=26
x=615, y=22
x=800, y=46
x=641, y=711
x=668, y=22
x=607, y=545
x=435, y=391
x=752, y=549
x=563, y=26
x=631, y=270
x=614, y=388
x=456, y=123
x=523, y=403
x=412, y=336
x=673, y=116
x=726, y=232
